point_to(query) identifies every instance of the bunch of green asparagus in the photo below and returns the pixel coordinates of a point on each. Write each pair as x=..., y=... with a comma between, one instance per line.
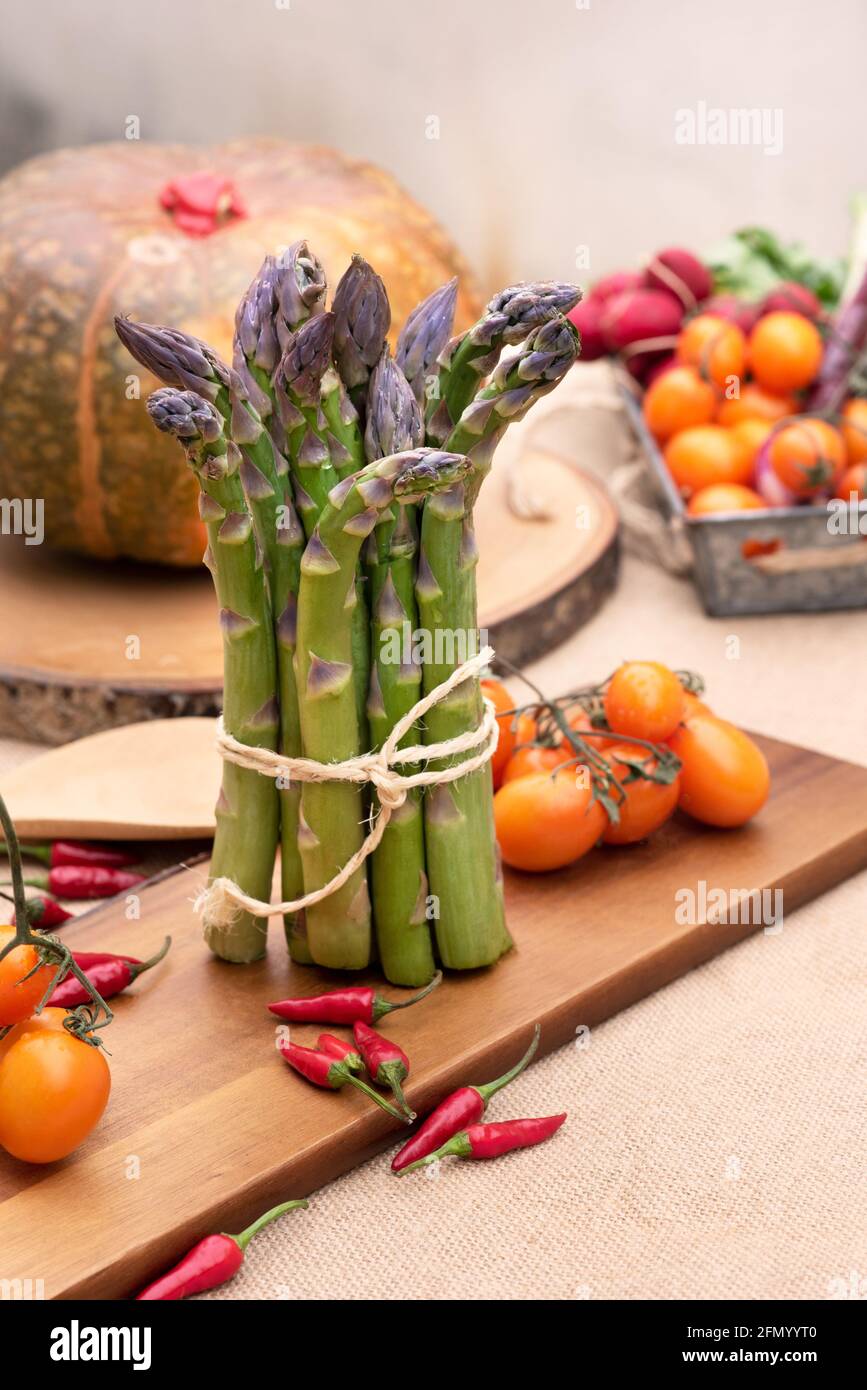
x=337, y=485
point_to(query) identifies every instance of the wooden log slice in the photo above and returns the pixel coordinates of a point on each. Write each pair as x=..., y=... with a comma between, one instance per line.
x=88, y=645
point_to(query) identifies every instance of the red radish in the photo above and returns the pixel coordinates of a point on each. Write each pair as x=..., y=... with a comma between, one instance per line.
x=587, y=317
x=681, y=273
x=615, y=283
x=734, y=310
x=794, y=299
x=766, y=482
x=635, y=315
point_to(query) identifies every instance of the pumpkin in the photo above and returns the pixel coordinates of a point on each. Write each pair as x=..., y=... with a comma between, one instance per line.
x=172, y=235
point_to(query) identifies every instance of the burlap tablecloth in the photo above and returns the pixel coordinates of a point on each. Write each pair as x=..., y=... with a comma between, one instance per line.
x=716, y=1139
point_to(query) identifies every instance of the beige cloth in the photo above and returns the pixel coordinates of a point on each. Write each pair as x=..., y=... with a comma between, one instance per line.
x=716, y=1139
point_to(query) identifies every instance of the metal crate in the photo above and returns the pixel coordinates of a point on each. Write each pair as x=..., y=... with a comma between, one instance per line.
x=778, y=560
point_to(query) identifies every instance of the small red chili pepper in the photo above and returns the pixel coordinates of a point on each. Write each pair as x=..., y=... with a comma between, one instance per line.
x=42, y=912
x=77, y=852
x=323, y=1069
x=459, y=1110
x=85, y=881
x=358, y=1004
x=213, y=1261
x=387, y=1063
x=109, y=974
x=344, y=1051
x=489, y=1141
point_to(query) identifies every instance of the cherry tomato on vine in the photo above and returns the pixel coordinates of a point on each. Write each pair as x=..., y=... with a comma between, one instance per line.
x=582, y=724
x=546, y=822
x=644, y=699
x=724, y=779
x=648, y=804
x=50, y=1020
x=526, y=761
x=502, y=702
x=19, y=996
x=53, y=1091
x=693, y=705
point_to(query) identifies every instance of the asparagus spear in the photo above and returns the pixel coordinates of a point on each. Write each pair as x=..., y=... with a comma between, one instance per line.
x=509, y=317
x=338, y=927
x=459, y=832
x=398, y=878
x=271, y=499
x=247, y=808
x=362, y=317
x=424, y=335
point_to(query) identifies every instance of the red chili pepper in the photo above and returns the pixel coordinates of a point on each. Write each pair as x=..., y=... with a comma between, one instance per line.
x=344, y=1051
x=109, y=974
x=213, y=1261
x=358, y=1004
x=386, y=1062
x=85, y=881
x=78, y=852
x=43, y=912
x=459, y=1110
x=489, y=1141
x=323, y=1069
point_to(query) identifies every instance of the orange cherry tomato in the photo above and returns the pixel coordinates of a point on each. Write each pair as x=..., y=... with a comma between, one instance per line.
x=724, y=497
x=503, y=702
x=525, y=729
x=754, y=403
x=526, y=761
x=18, y=996
x=707, y=455
x=583, y=726
x=644, y=699
x=53, y=1091
x=716, y=348
x=852, y=481
x=807, y=455
x=677, y=400
x=785, y=352
x=647, y=805
x=724, y=778
x=693, y=705
x=50, y=1019
x=546, y=822
x=752, y=435
x=854, y=430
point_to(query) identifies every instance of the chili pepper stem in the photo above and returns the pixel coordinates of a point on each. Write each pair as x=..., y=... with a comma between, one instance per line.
x=142, y=965
x=405, y=1118
x=386, y=1006
x=243, y=1240
x=83, y=1021
x=459, y=1146
x=490, y=1088
x=40, y=852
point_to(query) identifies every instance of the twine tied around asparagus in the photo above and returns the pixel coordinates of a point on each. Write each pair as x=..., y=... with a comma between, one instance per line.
x=222, y=900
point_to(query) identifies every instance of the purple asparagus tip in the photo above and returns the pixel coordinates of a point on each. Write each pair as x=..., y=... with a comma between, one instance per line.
x=425, y=334
x=394, y=420
x=362, y=317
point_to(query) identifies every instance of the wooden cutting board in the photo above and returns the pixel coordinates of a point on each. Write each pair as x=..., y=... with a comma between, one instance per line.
x=95, y=646
x=217, y=1128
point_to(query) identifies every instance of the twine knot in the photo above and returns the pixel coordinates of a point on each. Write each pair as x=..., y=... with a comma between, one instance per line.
x=222, y=900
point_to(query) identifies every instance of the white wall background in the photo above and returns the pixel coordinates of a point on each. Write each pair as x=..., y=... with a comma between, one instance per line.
x=556, y=121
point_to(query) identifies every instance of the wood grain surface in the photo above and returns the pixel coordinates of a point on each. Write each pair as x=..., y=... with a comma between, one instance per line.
x=206, y=1126
x=133, y=642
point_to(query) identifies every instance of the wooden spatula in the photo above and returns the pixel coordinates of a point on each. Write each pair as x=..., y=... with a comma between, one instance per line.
x=152, y=781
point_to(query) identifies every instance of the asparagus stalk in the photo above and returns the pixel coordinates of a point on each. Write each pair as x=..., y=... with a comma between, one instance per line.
x=423, y=337
x=463, y=865
x=258, y=322
x=332, y=813
x=398, y=878
x=508, y=319
x=247, y=808
x=362, y=318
